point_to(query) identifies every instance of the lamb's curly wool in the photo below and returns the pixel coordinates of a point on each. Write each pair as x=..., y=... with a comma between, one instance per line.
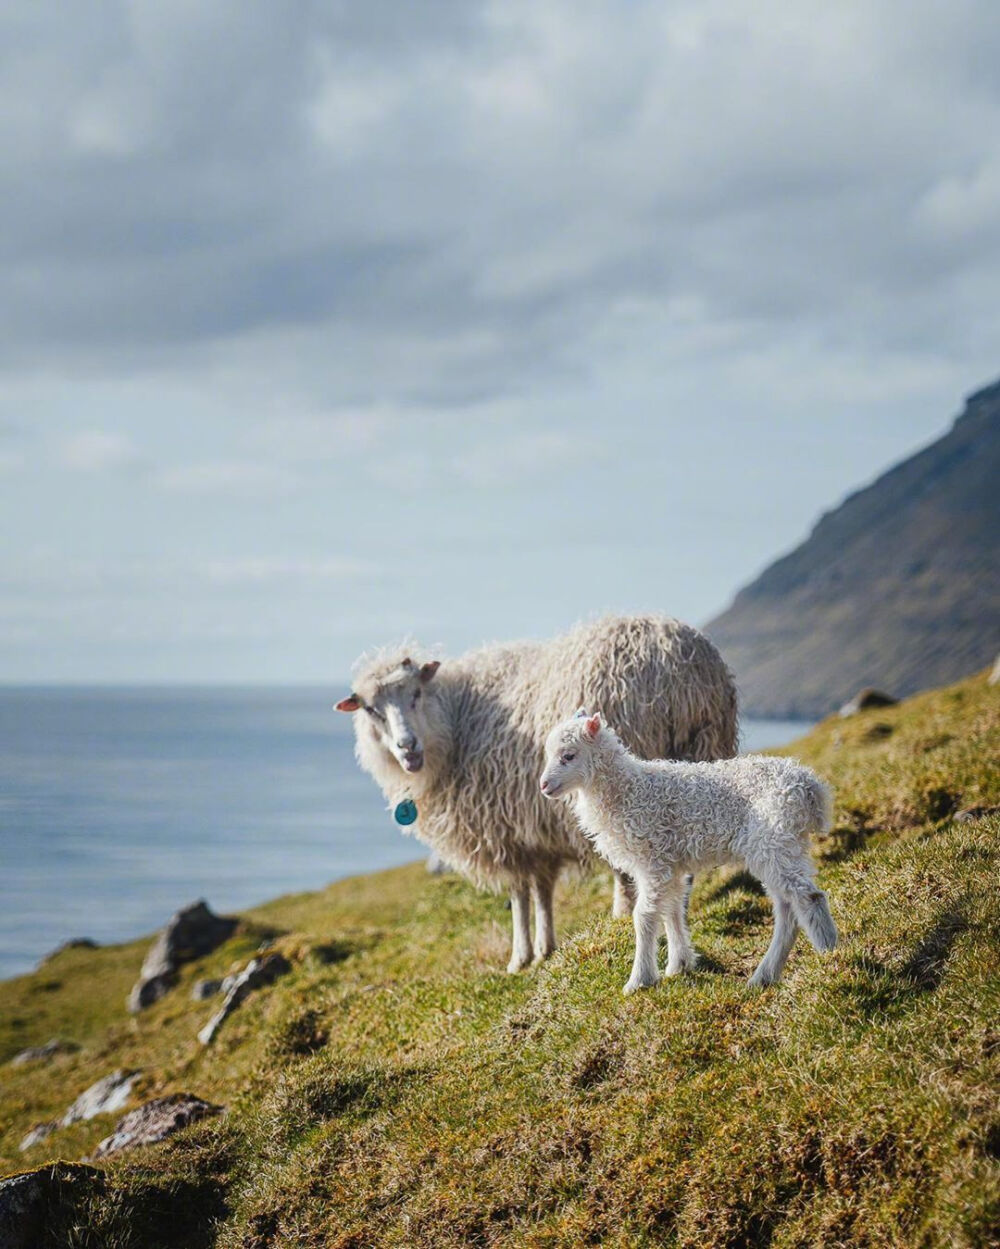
x=475, y=731
x=659, y=820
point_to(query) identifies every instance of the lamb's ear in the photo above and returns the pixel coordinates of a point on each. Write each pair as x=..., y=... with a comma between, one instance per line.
x=351, y=703
x=427, y=670
x=593, y=726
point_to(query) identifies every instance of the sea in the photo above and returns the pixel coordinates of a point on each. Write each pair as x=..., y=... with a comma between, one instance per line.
x=119, y=805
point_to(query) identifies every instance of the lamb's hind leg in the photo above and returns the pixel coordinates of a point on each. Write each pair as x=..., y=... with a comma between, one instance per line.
x=542, y=886
x=681, y=955
x=624, y=900
x=520, y=913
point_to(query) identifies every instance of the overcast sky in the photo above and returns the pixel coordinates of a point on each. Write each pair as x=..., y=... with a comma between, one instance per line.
x=325, y=323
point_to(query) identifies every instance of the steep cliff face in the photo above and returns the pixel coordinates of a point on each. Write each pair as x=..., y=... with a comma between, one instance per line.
x=898, y=587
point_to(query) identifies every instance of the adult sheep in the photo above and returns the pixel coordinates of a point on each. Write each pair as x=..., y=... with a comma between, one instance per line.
x=465, y=744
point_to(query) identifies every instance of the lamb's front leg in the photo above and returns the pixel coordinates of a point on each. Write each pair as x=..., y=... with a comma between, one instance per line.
x=647, y=917
x=542, y=887
x=520, y=955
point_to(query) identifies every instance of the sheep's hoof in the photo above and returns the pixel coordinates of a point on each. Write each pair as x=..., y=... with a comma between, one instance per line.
x=517, y=964
x=761, y=980
x=634, y=985
x=541, y=956
x=688, y=963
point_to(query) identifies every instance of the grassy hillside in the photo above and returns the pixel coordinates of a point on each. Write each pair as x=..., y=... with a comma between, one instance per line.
x=398, y=1089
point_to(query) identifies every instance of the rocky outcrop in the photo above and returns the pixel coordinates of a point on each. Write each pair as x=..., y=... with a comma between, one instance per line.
x=42, y=1053
x=192, y=933
x=202, y=990
x=262, y=970
x=74, y=943
x=107, y=1095
x=866, y=698
x=27, y=1201
x=156, y=1120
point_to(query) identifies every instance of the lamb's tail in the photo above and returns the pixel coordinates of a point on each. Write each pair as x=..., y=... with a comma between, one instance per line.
x=813, y=913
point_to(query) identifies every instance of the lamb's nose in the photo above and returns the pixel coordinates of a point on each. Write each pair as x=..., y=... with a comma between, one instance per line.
x=407, y=743
x=545, y=786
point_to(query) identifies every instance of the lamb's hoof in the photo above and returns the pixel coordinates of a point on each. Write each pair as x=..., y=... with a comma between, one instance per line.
x=633, y=985
x=688, y=963
x=541, y=957
x=517, y=964
x=762, y=979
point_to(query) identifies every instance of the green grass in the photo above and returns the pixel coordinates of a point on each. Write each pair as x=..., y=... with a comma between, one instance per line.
x=398, y=1089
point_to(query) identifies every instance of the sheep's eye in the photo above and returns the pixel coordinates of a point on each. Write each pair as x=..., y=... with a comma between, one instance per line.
x=375, y=713
x=569, y=758
x=416, y=699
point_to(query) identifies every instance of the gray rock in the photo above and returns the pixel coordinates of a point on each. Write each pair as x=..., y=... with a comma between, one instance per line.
x=26, y=1200
x=866, y=698
x=40, y=1053
x=194, y=931
x=37, y=1134
x=155, y=1121
x=108, y=1094
x=973, y=813
x=202, y=990
x=262, y=970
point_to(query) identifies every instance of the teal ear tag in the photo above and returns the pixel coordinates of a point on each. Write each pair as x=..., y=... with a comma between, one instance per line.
x=406, y=812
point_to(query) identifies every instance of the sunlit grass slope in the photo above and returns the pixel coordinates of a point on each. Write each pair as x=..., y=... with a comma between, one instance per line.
x=398, y=1089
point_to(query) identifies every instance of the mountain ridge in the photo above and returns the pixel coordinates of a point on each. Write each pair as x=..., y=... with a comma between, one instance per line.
x=895, y=587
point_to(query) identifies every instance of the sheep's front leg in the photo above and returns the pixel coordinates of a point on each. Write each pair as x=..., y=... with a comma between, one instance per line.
x=647, y=917
x=680, y=953
x=520, y=955
x=542, y=887
x=624, y=900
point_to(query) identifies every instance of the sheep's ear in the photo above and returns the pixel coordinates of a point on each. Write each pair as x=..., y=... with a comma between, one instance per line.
x=427, y=670
x=593, y=726
x=351, y=703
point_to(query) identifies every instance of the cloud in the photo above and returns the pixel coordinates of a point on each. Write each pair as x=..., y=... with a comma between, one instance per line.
x=433, y=205
x=241, y=478
x=507, y=463
x=95, y=451
x=267, y=571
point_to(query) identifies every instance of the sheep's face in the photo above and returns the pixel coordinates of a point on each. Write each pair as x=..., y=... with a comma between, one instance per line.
x=569, y=755
x=394, y=711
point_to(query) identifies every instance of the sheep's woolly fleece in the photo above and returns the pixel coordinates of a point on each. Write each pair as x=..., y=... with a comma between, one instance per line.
x=484, y=720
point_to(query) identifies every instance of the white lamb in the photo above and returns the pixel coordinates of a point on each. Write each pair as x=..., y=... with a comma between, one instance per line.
x=657, y=821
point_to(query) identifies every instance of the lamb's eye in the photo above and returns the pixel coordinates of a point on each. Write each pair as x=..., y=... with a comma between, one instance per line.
x=569, y=758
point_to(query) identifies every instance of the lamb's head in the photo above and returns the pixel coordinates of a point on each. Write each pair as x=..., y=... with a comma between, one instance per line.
x=391, y=699
x=570, y=751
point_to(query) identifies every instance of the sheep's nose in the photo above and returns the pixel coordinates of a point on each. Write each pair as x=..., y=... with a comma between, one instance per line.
x=406, y=742
x=545, y=785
